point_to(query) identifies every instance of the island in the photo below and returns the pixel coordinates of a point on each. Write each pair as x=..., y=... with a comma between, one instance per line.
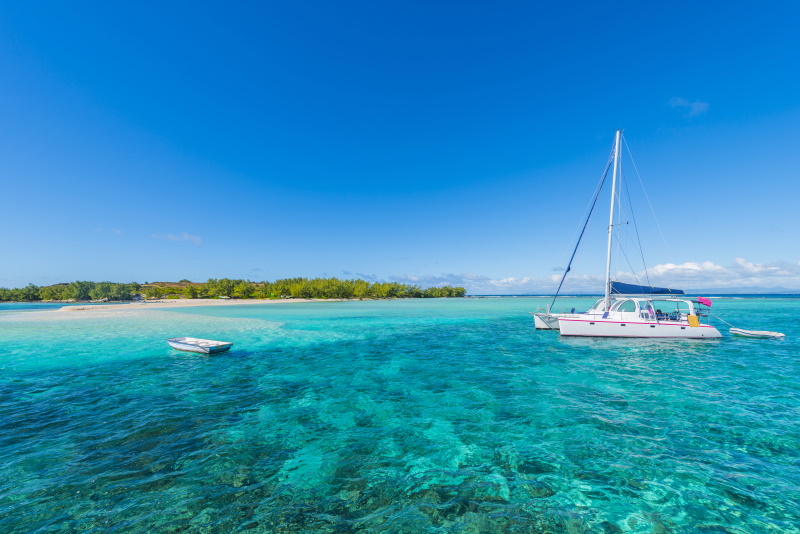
x=225, y=288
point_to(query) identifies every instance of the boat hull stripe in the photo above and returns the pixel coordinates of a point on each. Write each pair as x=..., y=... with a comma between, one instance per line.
x=630, y=322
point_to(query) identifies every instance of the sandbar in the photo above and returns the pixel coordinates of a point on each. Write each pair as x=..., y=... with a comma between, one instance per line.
x=186, y=303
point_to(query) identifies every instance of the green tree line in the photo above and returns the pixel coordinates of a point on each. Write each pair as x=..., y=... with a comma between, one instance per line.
x=318, y=288
x=73, y=291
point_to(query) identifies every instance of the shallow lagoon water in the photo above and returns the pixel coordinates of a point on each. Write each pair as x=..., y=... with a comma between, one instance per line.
x=395, y=416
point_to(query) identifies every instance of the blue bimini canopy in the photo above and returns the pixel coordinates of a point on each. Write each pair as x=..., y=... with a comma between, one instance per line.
x=621, y=288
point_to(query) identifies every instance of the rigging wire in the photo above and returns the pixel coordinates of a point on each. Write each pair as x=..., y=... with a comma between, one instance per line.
x=650, y=204
x=619, y=217
x=592, y=199
x=585, y=224
x=622, y=215
x=633, y=271
x=638, y=239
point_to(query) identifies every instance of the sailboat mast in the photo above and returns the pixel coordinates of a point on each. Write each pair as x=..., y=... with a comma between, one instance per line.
x=611, y=219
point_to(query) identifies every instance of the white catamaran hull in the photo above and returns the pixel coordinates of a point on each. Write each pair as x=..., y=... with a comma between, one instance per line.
x=611, y=328
x=546, y=321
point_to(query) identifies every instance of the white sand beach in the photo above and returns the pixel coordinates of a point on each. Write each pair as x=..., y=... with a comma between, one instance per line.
x=185, y=303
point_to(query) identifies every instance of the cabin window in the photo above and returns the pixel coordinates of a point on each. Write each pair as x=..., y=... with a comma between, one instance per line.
x=626, y=306
x=599, y=305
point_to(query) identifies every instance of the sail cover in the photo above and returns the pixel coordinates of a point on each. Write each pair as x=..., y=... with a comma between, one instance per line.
x=621, y=288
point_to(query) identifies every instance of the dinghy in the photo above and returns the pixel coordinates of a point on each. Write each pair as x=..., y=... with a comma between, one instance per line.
x=194, y=344
x=755, y=333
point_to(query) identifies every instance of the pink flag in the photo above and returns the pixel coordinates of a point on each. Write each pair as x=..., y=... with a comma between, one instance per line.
x=703, y=300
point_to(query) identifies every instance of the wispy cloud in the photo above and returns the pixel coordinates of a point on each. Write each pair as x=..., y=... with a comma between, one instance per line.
x=694, y=108
x=362, y=276
x=478, y=284
x=114, y=231
x=428, y=280
x=183, y=236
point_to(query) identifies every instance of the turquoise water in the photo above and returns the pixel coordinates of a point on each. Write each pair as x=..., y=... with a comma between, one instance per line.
x=395, y=416
x=30, y=306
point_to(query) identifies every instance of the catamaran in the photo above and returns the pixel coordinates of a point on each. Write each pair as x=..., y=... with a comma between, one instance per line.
x=630, y=310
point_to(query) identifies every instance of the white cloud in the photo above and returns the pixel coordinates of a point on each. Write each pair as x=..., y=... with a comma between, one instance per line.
x=740, y=273
x=183, y=236
x=687, y=275
x=694, y=108
x=753, y=268
x=687, y=269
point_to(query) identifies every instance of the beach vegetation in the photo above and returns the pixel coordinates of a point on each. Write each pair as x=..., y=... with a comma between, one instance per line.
x=224, y=287
x=244, y=290
x=54, y=292
x=80, y=290
x=316, y=288
x=109, y=291
x=194, y=291
x=153, y=292
x=23, y=294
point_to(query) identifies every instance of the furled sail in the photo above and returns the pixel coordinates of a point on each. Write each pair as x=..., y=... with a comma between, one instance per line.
x=621, y=288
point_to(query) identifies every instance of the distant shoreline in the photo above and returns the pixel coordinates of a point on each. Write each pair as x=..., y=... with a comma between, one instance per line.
x=188, y=303
x=687, y=294
x=202, y=302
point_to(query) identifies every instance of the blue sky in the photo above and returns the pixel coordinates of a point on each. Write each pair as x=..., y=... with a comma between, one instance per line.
x=448, y=142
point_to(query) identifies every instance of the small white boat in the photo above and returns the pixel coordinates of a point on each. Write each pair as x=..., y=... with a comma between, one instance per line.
x=194, y=344
x=755, y=333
